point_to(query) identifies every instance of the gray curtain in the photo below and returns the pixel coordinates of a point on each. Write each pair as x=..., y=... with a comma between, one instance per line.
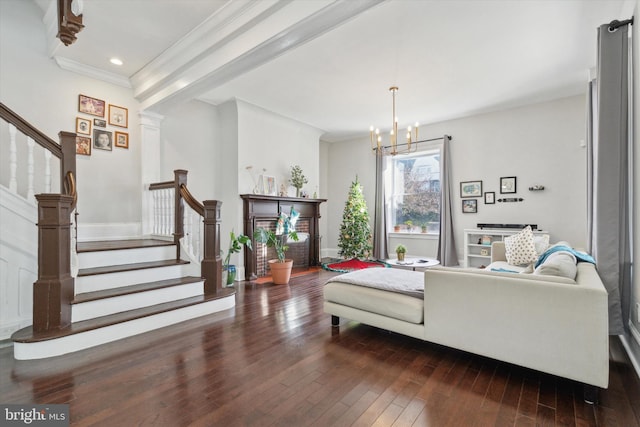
x=447, y=253
x=609, y=180
x=380, y=251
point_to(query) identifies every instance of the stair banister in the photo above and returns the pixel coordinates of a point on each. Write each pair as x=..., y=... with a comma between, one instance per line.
x=209, y=210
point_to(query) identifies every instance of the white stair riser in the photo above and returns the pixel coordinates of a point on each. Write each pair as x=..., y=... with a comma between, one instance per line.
x=99, y=282
x=81, y=341
x=92, y=309
x=125, y=256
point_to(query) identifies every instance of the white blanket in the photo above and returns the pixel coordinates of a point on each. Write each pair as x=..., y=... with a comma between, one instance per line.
x=388, y=279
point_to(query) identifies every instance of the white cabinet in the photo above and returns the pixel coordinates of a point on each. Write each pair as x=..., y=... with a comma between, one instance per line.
x=477, y=244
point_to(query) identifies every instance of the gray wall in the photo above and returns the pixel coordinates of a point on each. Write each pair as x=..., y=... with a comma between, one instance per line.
x=539, y=144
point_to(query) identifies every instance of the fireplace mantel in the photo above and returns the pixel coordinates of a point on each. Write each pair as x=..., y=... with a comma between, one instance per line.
x=263, y=208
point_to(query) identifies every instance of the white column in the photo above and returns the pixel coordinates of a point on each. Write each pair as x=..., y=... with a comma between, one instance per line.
x=150, y=164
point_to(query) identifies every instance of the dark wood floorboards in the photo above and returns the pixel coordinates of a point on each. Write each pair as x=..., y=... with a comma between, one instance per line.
x=275, y=360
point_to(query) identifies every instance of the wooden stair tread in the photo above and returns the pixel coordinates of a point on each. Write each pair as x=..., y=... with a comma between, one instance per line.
x=112, y=245
x=132, y=289
x=129, y=267
x=26, y=335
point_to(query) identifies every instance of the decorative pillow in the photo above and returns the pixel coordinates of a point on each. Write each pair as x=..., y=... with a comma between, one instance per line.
x=519, y=248
x=562, y=264
x=293, y=218
x=541, y=242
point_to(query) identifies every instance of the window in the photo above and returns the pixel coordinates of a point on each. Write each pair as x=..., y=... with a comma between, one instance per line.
x=414, y=181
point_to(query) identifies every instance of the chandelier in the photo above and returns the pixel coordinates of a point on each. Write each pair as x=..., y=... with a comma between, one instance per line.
x=406, y=143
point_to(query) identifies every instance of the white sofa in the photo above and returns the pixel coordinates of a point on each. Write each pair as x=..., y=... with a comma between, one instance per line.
x=551, y=324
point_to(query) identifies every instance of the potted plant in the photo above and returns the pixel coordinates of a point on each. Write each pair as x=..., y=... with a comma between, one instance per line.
x=235, y=244
x=400, y=251
x=297, y=178
x=281, y=267
x=409, y=225
x=396, y=228
x=423, y=226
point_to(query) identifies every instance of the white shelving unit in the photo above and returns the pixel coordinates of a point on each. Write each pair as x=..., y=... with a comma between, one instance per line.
x=478, y=255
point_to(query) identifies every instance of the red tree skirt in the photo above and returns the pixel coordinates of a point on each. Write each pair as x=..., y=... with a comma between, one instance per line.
x=352, y=264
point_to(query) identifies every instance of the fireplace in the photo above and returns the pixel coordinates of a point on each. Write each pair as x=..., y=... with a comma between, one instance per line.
x=263, y=211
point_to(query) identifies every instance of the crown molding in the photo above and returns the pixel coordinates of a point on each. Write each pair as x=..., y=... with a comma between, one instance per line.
x=93, y=72
x=50, y=22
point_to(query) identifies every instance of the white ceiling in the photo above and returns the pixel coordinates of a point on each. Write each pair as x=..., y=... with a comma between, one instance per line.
x=449, y=58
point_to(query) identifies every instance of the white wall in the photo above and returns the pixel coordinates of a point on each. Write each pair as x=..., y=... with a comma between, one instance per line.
x=539, y=144
x=33, y=86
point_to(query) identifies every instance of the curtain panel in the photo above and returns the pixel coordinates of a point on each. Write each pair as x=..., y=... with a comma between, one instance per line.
x=609, y=197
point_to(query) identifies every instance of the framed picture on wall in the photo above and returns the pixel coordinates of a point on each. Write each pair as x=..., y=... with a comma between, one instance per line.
x=470, y=206
x=83, y=126
x=102, y=139
x=100, y=123
x=122, y=139
x=89, y=105
x=508, y=185
x=118, y=116
x=471, y=189
x=83, y=145
x=490, y=198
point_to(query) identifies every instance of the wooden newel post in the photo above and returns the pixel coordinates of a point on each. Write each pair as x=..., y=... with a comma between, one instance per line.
x=179, y=180
x=212, y=261
x=54, y=289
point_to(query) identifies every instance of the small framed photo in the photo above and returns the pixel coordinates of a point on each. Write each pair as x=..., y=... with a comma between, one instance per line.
x=470, y=206
x=508, y=185
x=100, y=123
x=118, y=116
x=471, y=189
x=102, y=140
x=490, y=198
x=83, y=145
x=83, y=126
x=89, y=105
x=269, y=185
x=122, y=139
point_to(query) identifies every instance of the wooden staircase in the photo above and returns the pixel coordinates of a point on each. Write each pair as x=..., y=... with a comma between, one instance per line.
x=124, y=288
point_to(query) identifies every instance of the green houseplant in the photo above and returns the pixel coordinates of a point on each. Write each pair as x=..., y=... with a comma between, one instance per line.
x=297, y=178
x=280, y=267
x=235, y=245
x=400, y=251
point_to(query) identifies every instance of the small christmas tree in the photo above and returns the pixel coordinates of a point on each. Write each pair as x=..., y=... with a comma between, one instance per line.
x=355, y=232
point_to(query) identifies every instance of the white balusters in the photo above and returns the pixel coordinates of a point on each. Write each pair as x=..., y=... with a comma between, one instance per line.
x=187, y=220
x=30, y=170
x=47, y=171
x=13, y=159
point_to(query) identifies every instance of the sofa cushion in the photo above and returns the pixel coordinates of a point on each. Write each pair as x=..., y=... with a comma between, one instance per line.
x=561, y=264
x=384, y=303
x=519, y=248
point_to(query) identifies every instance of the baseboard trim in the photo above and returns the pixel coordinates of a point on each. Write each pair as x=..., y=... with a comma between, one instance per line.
x=109, y=231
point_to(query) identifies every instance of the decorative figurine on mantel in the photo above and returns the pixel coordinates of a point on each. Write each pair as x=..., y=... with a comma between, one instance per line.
x=283, y=190
x=297, y=178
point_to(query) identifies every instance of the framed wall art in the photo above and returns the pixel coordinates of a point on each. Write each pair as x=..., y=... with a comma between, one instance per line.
x=100, y=123
x=122, y=139
x=471, y=189
x=83, y=126
x=508, y=185
x=102, y=139
x=83, y=145
x=89, y=105
x=269, y=185
x=118, y=116
x=490, y=198
x=470, y=206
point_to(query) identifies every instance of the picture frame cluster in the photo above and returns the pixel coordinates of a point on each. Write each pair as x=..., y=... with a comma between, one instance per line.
x=471, y=191
x=93, y=132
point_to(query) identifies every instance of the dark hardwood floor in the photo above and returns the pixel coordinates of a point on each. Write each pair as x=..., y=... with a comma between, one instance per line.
x=275, y=360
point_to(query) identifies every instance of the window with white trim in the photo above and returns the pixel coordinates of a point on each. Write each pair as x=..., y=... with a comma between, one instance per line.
x=414, y=180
